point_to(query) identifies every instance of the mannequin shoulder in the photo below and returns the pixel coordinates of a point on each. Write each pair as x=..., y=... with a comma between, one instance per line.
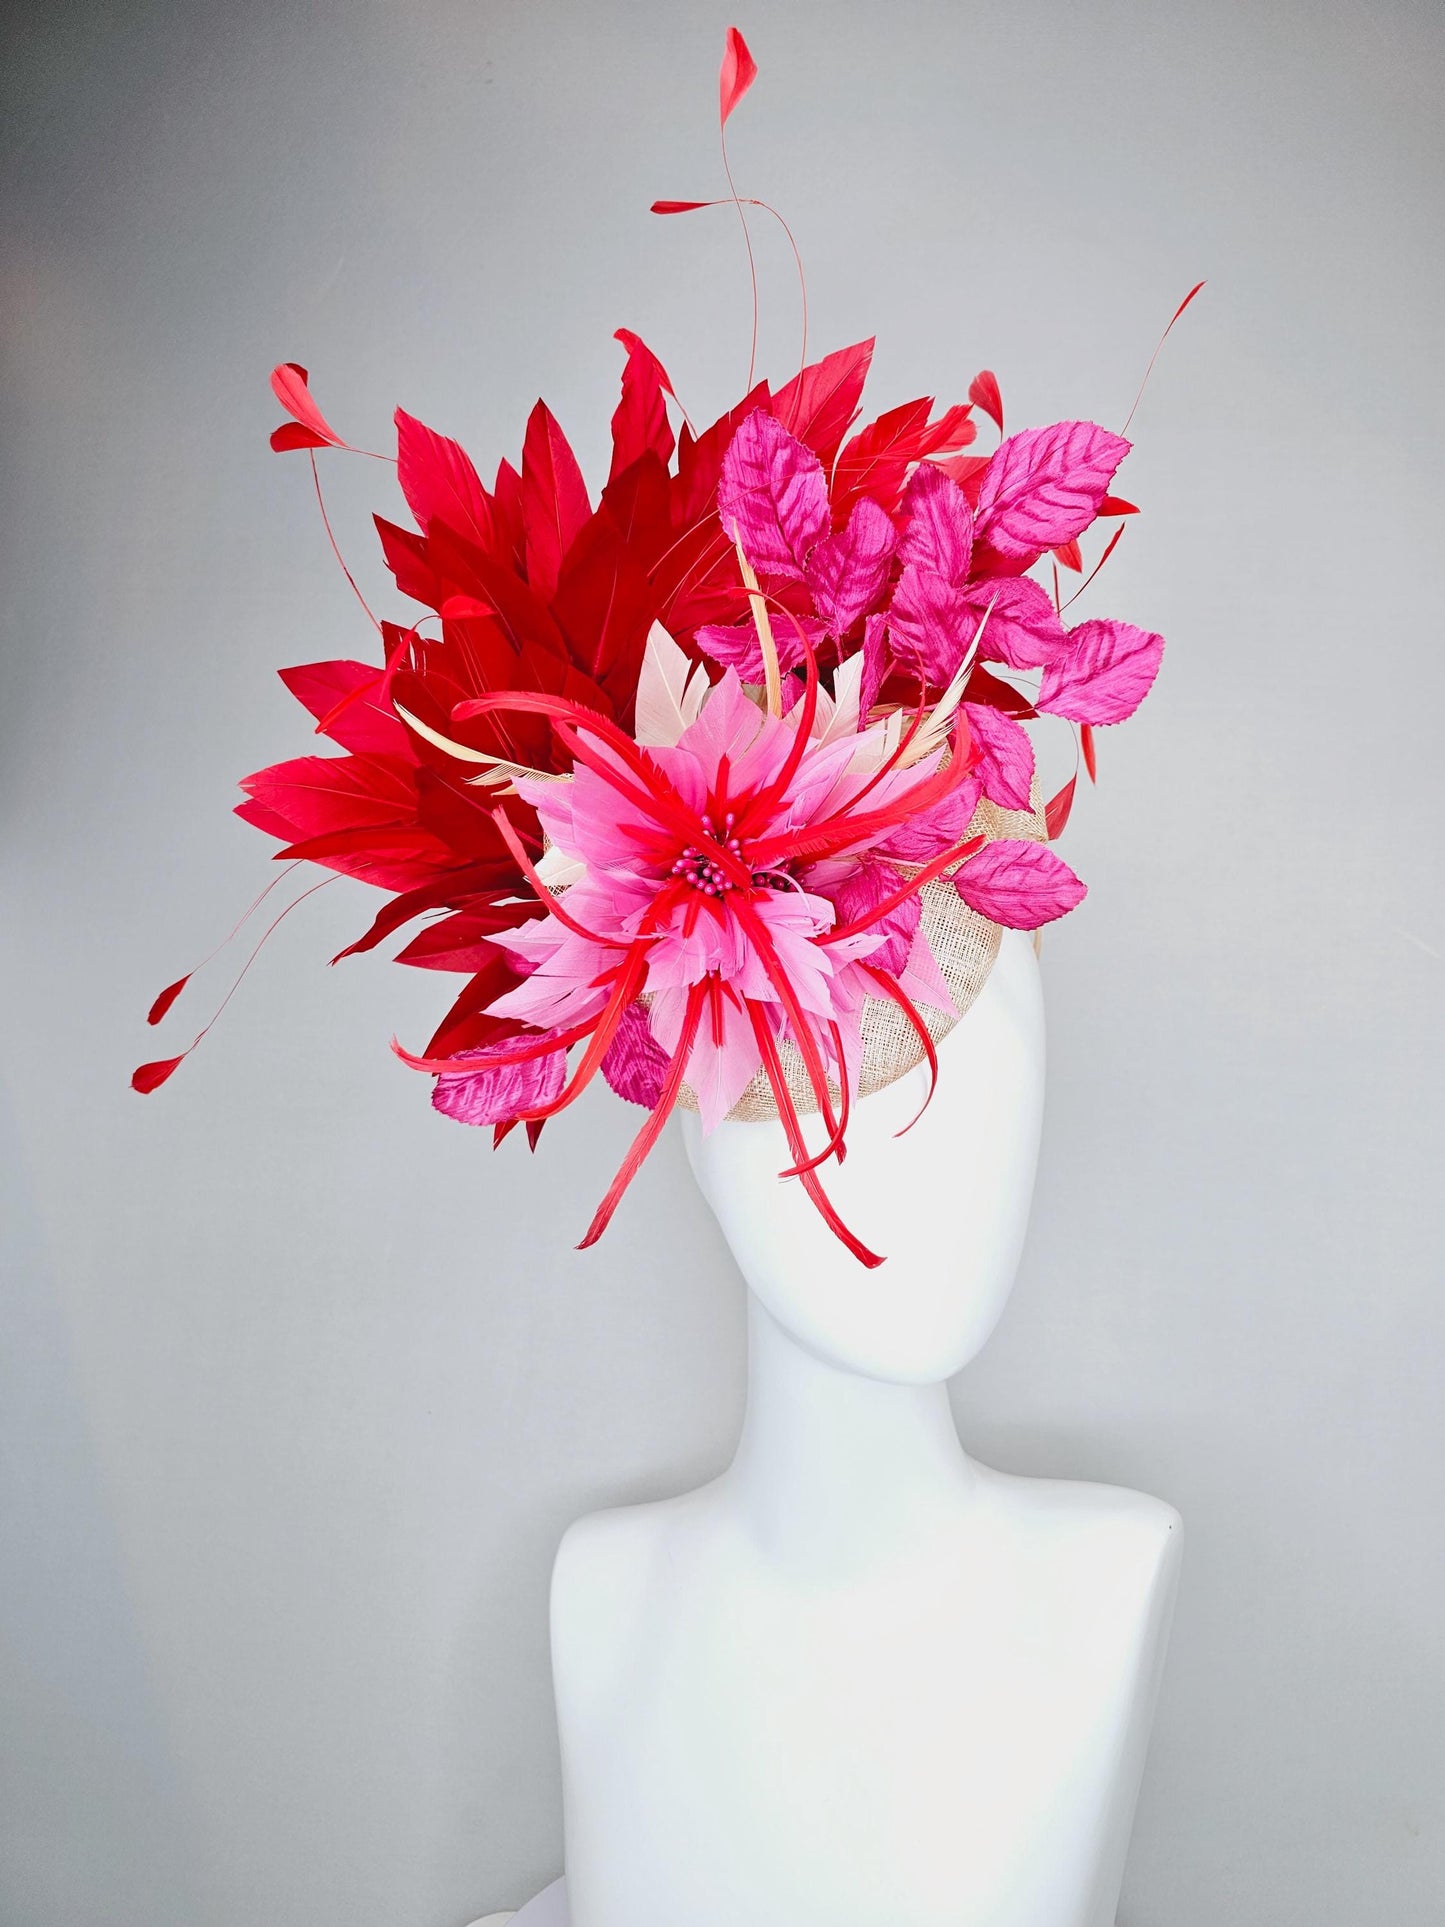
x=1088, y=1525
x=606, y=1562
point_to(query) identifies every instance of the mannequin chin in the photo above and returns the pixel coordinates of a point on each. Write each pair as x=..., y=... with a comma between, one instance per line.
x=947, y=1203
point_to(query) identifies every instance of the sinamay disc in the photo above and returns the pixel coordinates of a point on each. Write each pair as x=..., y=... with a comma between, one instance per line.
x=964, y=944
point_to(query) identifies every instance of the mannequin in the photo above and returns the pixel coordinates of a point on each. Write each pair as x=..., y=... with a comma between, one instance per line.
x=859, y=1677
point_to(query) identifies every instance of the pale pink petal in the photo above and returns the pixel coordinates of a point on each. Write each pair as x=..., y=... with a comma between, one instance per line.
x=724, y=1057
x=1044, y=486
x=1006, y=756
x=847, y=573
x=923, y=981
x=728, y=725
x=1019, y=884
x=772, y=497
x=1109, y=670
x=939, y=535
x=496, y=1093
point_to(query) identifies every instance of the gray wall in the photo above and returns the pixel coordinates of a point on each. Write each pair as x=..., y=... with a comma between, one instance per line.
x=299, y=1384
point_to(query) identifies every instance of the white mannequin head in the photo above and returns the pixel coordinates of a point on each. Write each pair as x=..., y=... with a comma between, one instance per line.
x=948, y=1204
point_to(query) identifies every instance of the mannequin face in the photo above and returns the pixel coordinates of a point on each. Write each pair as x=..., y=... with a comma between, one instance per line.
x=948, y=1204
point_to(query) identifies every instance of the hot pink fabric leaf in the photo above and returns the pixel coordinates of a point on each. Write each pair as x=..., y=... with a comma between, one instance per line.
x=736, y=645
x=1018, y=884
x=875, y=663
x=846, y=573
x=1044, y=486
x=439, y=482
x=931, y=832
x=635, y=1064
x=939, y=531
x=495, y=1093
x=290, y=385
x=772, y=497
x=1023, y=627
x=1107, y=672
x=1006, y=756
x=868, y=886
x=738, y=72
x=930, y=624
x=554, y=498
x=983, y=393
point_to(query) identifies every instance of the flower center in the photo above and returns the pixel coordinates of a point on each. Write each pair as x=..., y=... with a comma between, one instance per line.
x=698, y=867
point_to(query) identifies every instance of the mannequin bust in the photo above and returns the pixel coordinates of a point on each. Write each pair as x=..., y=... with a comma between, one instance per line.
x=860, y=1677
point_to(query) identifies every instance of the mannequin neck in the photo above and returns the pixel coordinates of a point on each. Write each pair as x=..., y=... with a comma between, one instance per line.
x=833, y=1468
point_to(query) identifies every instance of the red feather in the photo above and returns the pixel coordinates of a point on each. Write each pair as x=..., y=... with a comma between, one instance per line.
x=289, y=385
x=149, y=1077
x=983, y=393
x=1056, y=810
x=163, y=1003
x=1086, y=743
x=739, y=71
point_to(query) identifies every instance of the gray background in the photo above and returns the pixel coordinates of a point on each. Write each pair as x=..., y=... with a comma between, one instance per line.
x=299, y=1385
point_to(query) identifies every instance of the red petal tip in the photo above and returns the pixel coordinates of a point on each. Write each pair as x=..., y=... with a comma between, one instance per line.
x=739, y=71
x=149, y=1077
x=167, y=997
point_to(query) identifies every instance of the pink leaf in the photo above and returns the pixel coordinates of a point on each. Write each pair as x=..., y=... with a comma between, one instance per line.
x=1056, y=810
x=1044, y=486
x=1006, y=756
x=875, y=663
x=846, y=573
x=635, y=1064
x=929, y=833
x=1018, y=884
x=930, y=624
x=495, y=1093
x=738, y=72
x=870, y=885
x=983, y=393
x=939, y=534
x=736, y=645
x=1106, y=674
x=167, y=997
x=1023, y=627
x=772, y=497
x=289, y=385
x=439, y=482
